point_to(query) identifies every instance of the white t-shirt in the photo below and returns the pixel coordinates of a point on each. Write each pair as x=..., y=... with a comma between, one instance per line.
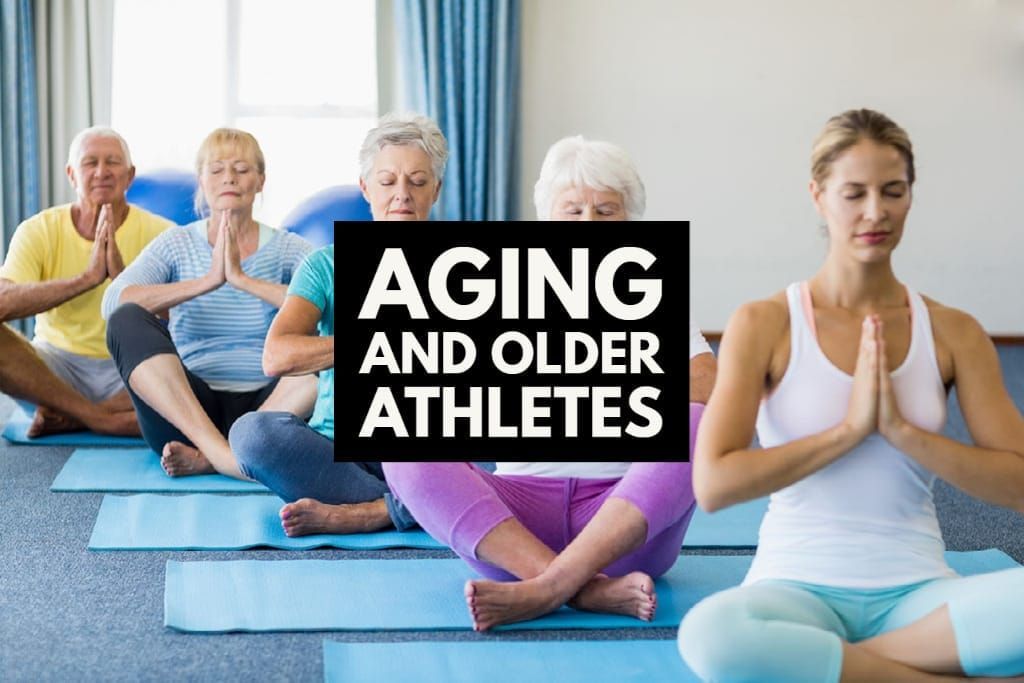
x=698, y=344
x=575, y=470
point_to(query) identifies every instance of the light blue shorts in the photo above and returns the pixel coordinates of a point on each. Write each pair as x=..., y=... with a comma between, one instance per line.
x=792, y=631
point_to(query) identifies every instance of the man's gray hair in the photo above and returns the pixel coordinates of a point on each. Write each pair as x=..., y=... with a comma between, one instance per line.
x=75, y=148
x=576, y=162
x=405, y=129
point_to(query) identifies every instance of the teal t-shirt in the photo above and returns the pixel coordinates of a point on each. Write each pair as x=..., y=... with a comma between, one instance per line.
x=314, y=282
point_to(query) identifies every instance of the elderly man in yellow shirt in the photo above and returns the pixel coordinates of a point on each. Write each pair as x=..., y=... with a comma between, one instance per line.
x=58, y=265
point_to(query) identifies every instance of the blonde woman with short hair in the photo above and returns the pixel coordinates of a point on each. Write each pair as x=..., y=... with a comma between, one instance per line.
x=223, y=279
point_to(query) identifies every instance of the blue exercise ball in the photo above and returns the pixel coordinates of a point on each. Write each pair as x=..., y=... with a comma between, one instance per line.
x=168, y=193
x=314, y=217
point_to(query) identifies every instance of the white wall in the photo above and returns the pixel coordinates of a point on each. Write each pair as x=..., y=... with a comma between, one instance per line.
x=389, y=95
x=718, y=102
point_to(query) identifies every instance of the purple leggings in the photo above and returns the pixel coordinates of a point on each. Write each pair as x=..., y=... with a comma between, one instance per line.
x=459, y=504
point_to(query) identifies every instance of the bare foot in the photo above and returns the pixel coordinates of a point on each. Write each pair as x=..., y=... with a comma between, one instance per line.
x=492, y=603
x=49, y=421
x=632, y=595
x=179, y=460
x=308, y=516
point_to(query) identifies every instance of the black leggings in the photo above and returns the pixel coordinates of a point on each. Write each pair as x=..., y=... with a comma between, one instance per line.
x=134, y=335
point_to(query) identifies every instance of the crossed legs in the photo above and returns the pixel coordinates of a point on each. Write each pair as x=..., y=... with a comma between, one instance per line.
x=181, y=416
x=24, y=375
x=161, y=382
x=597, y=553
x=323, y=496
x=549, y=580
x=776, y=631
x=969, y=625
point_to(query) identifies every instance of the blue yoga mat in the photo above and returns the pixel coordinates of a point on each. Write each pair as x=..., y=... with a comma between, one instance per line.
x=16, y=431
x=390, y=595
x=505, y=661
x=138, y=469
x=734, y=526
x=212, y=522
x=208, y=522
x=412, y=595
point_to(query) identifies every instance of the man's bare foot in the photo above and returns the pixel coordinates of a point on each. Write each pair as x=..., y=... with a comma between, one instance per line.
x=307, y=516
x=49, y=421
x=179, y=460
x=492, y=603
x=632, y=595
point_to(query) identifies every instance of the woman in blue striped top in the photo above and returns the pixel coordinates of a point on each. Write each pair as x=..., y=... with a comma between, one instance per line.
x=222, y=279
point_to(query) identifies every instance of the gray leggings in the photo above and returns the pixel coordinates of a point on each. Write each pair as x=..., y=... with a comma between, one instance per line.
x=279, y=450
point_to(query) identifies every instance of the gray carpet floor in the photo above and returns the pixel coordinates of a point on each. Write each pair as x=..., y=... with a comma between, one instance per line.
x=67, y=613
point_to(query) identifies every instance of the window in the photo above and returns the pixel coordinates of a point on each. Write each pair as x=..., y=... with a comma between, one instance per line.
x=300, y=76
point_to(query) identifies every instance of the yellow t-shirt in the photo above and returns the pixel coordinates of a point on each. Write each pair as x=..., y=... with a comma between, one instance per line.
x=47, y=247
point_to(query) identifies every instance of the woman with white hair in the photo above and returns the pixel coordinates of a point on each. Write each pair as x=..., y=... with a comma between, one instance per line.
x=592, y=535
x=401, y=163
x=401, y=166
x=588, y=180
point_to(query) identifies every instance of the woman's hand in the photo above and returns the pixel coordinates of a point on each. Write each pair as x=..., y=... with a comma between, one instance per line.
x=216, y=277
x=233, y=272
x=890, y=422
x=863, y=411
x=231, y=268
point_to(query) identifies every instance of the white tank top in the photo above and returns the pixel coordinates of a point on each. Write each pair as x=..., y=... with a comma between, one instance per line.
x=575, y=470
x=868, y=519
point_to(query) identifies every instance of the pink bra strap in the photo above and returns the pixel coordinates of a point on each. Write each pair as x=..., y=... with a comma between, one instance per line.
x=805, y=299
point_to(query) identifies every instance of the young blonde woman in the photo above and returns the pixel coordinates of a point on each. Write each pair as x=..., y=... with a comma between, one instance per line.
x=846, y=377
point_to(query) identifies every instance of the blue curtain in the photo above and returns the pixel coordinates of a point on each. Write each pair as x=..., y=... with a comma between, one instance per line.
x=460, y=60
x=19, y=131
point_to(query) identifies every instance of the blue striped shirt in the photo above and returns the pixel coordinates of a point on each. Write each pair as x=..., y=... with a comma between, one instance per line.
x=219, y=335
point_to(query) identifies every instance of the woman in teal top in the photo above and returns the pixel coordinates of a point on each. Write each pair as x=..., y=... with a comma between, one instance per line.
x=293, y=459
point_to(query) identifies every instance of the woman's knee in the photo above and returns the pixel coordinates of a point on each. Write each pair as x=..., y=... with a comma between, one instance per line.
x=130, y=329
x=986, y=617
x=662, y=551
x=254, y=439
x=126, y=318
x=715, y=638
x=662, y=491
